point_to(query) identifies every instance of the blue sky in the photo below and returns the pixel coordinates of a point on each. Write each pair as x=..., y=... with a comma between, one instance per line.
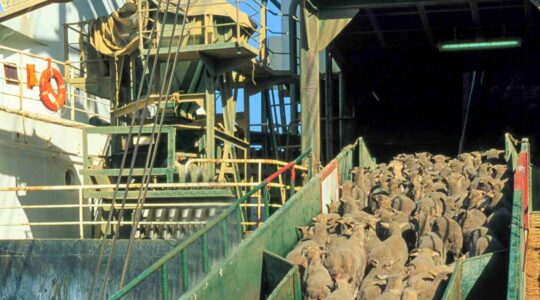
x=274, y=25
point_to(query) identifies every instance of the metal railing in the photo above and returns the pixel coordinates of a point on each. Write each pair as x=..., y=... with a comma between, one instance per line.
x=231, y=218
x=519, y=164
x=251, y=166
x=83, y=207
x=75, y=97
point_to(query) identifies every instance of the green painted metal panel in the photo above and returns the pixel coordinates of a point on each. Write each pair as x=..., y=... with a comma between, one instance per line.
x=194, y=193
x=480, y=277
x=239, y=276
x=278, y=277
x=516, y=276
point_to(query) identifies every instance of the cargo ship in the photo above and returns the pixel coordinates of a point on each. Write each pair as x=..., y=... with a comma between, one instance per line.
x=175, y=148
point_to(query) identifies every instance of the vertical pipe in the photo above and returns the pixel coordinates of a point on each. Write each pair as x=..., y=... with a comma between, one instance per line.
x=185, y=270
x=81, y=227
x=239, y=227
x=21, y=61
x=165, y=282
x=328, y=104
x=341, y=110
x=225, y=237
x=266, y=202
x=310, y=166
x=247, y=119
x=210, y=123
x=259, y=180
x=263, y=34
x=293, y=56
x=205, y=264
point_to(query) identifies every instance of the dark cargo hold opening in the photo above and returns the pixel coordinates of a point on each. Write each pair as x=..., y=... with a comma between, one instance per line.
x=402, y=94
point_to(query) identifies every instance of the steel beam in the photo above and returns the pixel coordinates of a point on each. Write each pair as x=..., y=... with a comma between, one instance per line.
x=341, y=4
x=175, y=194
x=210, y=107
x=309, y=87
x=23, y=7
x=425, y=23
x=376, y=27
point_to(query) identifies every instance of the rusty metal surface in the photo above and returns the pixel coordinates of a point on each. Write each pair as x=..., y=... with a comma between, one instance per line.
x=62, y=269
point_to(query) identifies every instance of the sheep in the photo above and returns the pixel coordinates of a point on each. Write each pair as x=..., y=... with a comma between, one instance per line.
x=393, y=249
x=499, y=221
x=472, y=218
x=492, y=155
x=471, y=236
x=346, y=257
x=298, y=257
x=346, y=189
x=351, y=205
x=439, y=162
x=317, y=280
x=403, y=204
x=434, y=243
x=343, y=291
x=375, y=281
x=500, y=171
x=394, y=287
x=360, y=195
x=450, y=232
x=334, y=207
x=485, y=244
x=432, y=206
x=423, y=262
x=397, y=169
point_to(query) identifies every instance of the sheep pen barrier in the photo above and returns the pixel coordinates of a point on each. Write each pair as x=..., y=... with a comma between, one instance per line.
x=256, y=268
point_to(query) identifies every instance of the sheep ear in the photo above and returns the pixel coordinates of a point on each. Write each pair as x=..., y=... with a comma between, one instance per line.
x=374, y=262
x=303, y=230
x=435, y=254
x=405, y=226
x=385, y=225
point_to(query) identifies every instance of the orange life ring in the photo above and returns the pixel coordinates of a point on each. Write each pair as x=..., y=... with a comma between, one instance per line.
x=51, y=99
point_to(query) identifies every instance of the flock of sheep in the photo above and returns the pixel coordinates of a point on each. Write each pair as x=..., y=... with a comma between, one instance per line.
x=398, y=230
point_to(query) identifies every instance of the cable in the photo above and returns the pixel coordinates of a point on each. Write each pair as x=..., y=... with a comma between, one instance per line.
x=124, y=156
x=463, y=131
x=133, y=160
x=153, y=152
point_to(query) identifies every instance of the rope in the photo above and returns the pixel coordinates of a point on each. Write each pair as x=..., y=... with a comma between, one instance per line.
x=153, y=152
x=124, y=156
x=135, y=151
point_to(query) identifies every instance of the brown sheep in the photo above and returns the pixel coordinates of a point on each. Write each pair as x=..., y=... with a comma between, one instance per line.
x=393, y=249
x=434, y=243
x=423, y=262
x=472, y=218
x=346, y=257
x=486, y=244
x=317, y=280
x=343, y=291
x=298, y=256
x=450, y=232
x=403, y=204
x=394, y=287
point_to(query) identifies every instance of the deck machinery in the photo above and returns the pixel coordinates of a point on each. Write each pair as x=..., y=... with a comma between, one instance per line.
x=177, y=59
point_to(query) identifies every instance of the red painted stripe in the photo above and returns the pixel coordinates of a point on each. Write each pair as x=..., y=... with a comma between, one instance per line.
x=279, y=172
x=521, y=183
